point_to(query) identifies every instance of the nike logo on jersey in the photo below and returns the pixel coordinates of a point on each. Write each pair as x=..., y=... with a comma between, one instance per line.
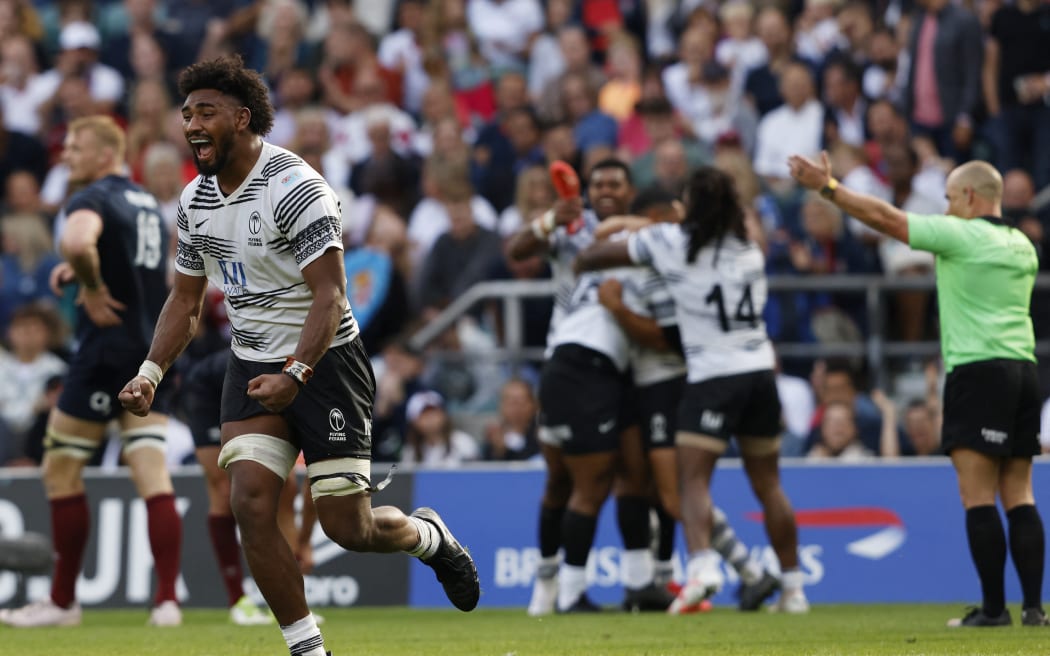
x=199, y=224
x=606, y=426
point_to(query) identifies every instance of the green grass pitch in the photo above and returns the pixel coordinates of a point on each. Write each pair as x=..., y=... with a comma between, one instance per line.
x=854, y=629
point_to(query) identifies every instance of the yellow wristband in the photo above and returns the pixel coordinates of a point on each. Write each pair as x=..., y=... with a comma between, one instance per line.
x=829, y=188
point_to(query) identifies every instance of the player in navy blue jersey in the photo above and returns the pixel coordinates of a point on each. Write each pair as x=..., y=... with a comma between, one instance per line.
x=115, y=247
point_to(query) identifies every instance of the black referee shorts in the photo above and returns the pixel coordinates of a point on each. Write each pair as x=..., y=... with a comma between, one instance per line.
x=992, y=406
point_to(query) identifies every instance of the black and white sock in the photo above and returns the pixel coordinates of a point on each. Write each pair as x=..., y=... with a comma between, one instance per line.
x=304, y=638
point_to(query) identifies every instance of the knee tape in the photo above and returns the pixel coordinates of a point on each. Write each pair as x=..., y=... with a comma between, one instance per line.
x=275, y=454
x=339, y=477
x=144, y=437
x=71, y=446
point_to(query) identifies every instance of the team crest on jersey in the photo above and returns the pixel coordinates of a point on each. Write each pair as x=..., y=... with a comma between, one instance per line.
x=255, y=227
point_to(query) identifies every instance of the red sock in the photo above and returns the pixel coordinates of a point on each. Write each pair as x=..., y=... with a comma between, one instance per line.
x=70, y=524
x=223, y=532
x=165, y=541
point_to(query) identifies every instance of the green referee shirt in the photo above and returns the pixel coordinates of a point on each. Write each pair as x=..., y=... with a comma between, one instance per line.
x=985, y=274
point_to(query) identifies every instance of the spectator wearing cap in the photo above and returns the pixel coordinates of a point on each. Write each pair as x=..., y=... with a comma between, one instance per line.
x=79, y=45
x=430, y=439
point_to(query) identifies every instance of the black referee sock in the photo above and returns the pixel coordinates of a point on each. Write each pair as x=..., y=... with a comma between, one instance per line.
x=988, y=548
x=577, y=532
x=1027, y=549
x=632, y=516
x=550, y=531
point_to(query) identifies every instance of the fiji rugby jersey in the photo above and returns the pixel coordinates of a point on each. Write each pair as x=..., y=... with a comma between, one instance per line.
x=719, y=299
x=253, y=245
x=564, y=248
x=650, y=366
x=586, y=322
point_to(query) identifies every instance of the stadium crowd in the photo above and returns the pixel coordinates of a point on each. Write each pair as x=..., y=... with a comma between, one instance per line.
x=435, y=122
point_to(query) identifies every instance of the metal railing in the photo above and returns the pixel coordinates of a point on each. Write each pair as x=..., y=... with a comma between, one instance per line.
x=876, y=348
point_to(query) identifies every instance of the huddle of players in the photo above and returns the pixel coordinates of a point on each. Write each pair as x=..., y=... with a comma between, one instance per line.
x=610, y=393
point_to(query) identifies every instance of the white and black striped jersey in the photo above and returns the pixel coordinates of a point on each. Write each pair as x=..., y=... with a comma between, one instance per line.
x=719, y=299
x=586, y=322
x=650, y=366
x=562, y=252
x=253, y=245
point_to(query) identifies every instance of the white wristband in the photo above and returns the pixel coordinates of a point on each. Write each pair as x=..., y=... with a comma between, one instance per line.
x=548, y=222
x=151, y=371
x=537, y=229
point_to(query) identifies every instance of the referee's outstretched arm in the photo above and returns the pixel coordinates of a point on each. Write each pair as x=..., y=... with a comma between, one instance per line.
x=870, y=210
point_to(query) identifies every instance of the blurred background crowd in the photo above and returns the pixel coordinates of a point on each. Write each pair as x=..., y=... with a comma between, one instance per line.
x=435, y=120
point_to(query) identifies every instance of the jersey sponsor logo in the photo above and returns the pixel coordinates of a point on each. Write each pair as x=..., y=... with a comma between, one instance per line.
x=100, y=402
x=711, y=420
x=993, y=436
x=337, y=422
x=234, y=279
x=889, y=538
x=292, y=177
x=255, y=227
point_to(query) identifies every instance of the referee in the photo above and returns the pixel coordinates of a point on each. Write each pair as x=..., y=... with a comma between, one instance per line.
x=985, y=274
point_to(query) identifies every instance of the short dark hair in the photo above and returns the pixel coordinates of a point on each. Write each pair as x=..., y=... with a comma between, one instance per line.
x=228, y=75
x=842, y=366
x=612, y=163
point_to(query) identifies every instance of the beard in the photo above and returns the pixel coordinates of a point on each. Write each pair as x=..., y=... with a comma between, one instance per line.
x=219, y=159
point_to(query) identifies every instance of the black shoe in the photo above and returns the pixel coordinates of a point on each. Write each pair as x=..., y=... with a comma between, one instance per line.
x=453, y=565
x=750, y=597
x=582, y=605
x=652, y=597
x=1034, y=617
x=975, y=617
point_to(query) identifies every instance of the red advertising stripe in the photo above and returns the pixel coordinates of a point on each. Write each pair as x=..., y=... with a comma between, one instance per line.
x=830, y=517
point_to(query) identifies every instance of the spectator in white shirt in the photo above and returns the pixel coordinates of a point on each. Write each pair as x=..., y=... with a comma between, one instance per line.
x=504, y=28
x=443, y=177
x=23, y=90
x=80, y=43
x=400, y=51
x=546, y=62
x=682, y=81
x=794, y=127
x=430, y=439
x=739, y=50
